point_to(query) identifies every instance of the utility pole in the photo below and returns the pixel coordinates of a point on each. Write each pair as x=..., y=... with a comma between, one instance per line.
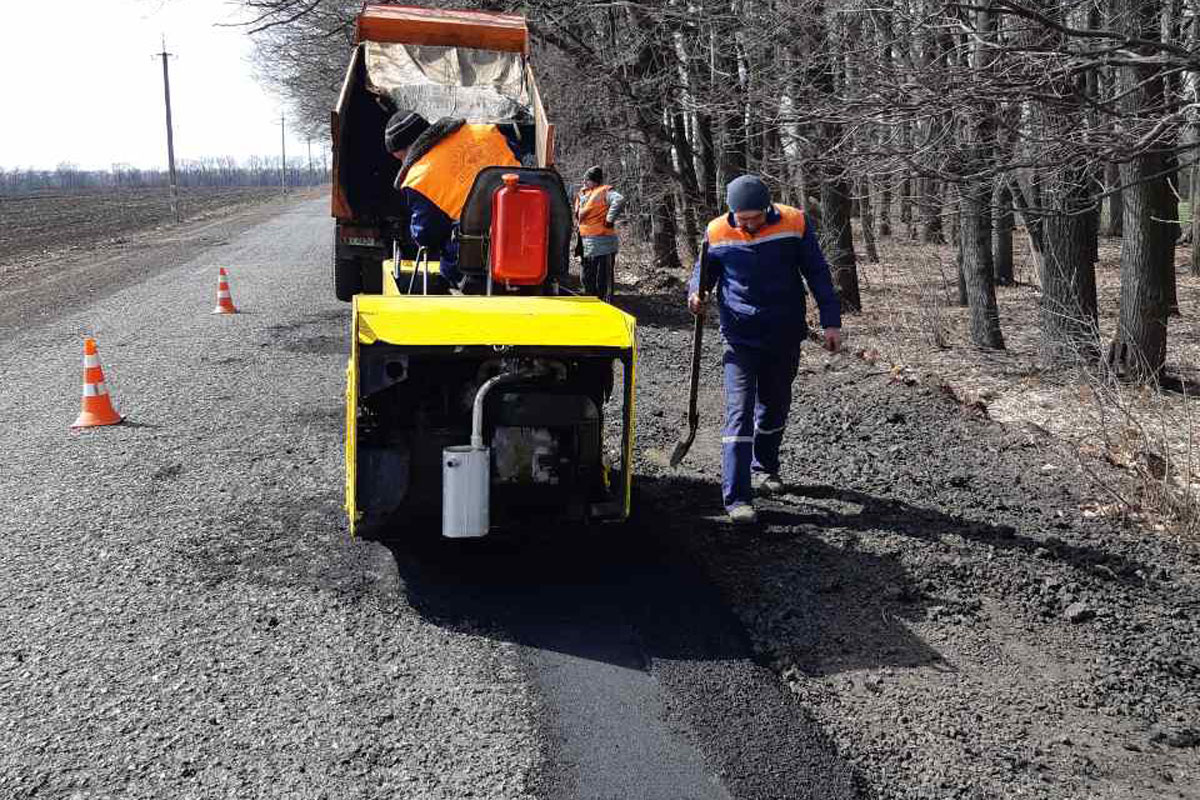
x=170, y=132
x=282, y=156
x=308, y=140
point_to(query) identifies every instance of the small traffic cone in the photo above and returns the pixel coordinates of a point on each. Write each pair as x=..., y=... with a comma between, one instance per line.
x=224, y=300
x=97, y=408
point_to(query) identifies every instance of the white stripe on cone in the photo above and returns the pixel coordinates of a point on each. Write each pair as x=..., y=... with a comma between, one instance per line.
x=91, y=360
x=94, y=389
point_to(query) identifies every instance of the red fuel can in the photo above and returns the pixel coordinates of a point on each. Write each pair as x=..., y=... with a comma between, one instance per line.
x=520, y=233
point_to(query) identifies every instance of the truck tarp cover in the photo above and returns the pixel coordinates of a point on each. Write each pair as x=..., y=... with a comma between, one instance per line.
x=476, y=85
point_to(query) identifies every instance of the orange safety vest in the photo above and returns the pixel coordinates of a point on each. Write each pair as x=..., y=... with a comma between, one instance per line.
x=591, y=209
x=446, y=173
x=791, y=224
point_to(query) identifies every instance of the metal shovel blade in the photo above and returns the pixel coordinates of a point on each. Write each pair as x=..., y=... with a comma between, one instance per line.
x=682, y=446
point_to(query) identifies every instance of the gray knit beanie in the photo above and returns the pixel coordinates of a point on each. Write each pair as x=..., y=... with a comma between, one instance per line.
x=748, y=193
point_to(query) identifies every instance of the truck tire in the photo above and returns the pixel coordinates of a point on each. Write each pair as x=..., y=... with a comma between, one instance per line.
x=372, y=276
x=347, y=278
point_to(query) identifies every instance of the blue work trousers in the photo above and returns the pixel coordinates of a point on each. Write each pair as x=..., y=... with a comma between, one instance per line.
x=758, y=394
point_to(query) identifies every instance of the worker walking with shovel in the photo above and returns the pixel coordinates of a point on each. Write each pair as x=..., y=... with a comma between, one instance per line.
x=760, y=257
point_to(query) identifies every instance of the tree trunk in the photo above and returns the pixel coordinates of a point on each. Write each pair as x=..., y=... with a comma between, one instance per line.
x=962, y=299
x=666, y=256
x=690, y=192
x=1173, y=216
x=931, y=212
x=1139, y=349
x=1031, y=219
x=710, y=198
x=838, y=242
x=1002, y=241
x=1194, y=206
x=885, y=209
x=733, y=127
x=867, y=222
x=1193, y=95
x=1069, y=333
x=975, y=237
x=1116, y=208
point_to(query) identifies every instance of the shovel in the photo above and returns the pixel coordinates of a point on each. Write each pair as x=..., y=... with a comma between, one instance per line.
x=693, y=419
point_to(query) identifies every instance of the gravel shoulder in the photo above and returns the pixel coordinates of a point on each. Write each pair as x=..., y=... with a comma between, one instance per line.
x=933, y=591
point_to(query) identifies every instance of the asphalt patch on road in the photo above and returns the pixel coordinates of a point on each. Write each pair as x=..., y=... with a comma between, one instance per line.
x=643, y=670
x=283, y=544
x=323, y=333
x=319, y=345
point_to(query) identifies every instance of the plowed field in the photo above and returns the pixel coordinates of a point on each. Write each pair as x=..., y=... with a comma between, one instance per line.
x=33, y=225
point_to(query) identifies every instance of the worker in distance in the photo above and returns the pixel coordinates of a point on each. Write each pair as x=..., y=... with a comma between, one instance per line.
x=761, y=257
x=439, y=163
x=597, y=208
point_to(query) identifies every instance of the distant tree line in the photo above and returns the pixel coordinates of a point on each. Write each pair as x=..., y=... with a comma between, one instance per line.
x=224, y=171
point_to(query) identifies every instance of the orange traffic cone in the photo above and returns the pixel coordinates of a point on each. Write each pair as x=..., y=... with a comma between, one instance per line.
x=97, y=408
x=224, y=300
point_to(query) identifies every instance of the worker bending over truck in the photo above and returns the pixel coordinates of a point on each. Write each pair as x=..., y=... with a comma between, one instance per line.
x=439, y=164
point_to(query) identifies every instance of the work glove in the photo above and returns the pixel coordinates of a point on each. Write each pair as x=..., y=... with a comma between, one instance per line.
x=608, y=223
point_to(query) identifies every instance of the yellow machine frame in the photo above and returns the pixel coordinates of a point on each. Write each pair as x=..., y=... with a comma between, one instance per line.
x=570, y=323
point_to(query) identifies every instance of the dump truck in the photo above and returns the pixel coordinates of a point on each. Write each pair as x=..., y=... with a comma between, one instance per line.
x=463, y=64
x=500, y=410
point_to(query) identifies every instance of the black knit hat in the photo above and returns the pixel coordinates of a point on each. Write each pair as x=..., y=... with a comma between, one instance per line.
x=595, y=175
x=402, y=130
x=748, y=193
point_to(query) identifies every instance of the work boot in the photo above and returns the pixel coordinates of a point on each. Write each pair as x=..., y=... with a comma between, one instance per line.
x=743, y=514
x=768, y=483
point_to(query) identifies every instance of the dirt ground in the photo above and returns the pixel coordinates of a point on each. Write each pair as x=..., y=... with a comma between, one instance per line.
x=912, y=325
x=937, y=585
x=39, y=226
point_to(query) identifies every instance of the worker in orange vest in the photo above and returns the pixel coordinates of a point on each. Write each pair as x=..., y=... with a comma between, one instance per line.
x=439, y=163
x=597, y=208
x=761, y=261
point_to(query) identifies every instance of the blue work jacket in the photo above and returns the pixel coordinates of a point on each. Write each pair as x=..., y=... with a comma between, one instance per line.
x=760, y=279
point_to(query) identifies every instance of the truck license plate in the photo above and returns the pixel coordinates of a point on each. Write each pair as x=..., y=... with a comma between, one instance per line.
x=362, y=241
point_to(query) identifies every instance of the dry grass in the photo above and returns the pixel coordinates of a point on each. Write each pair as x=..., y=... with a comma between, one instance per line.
x=911, y=322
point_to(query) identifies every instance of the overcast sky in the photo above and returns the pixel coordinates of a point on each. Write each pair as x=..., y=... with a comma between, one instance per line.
x=79, y=84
